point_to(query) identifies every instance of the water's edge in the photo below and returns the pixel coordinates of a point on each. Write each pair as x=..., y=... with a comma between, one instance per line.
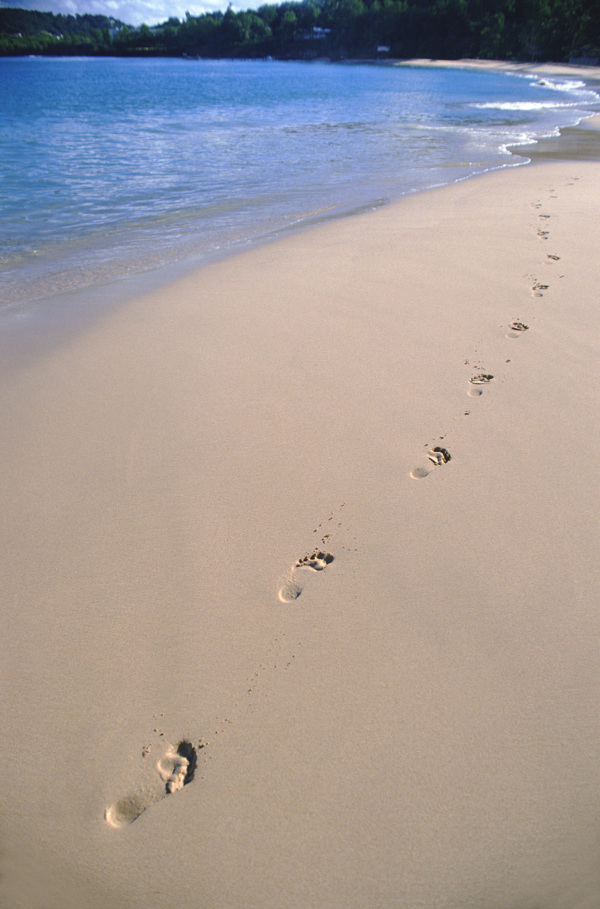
x=28, y=331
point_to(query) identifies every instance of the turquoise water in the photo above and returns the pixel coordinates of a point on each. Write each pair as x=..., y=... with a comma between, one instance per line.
x=111, y=168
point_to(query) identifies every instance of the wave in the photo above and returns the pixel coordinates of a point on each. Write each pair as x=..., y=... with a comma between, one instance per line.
x=529, y=105
x=566, y=86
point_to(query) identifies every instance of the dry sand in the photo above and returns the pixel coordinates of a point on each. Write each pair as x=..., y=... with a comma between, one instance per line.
x=589, y=74
x=414, y=723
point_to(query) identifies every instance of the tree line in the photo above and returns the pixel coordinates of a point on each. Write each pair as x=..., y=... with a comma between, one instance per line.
x=529, y=30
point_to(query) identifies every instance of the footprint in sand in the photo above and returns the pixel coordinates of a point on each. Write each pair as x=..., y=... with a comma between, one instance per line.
x=516, y=329
x=294, y=584
x=176, y=769
x=437, y=456
x=538, y=289
x=554, y=258
x=476, y=383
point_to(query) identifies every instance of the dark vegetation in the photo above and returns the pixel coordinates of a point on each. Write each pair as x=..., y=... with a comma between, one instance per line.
x=556, y=30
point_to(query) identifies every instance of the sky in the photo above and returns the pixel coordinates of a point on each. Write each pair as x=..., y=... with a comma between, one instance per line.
x=134, y=12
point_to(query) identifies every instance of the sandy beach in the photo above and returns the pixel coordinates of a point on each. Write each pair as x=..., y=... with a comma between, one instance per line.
x=300, y=572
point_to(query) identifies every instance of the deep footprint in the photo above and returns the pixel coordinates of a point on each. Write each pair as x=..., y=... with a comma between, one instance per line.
x=294, y=585
x=317, y=561
x=516, y=329
x=176, y=769
x=437, y=456
x=476, y=382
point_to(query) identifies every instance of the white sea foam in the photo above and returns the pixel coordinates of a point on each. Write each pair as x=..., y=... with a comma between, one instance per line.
x=528, y=105
x=566, y=85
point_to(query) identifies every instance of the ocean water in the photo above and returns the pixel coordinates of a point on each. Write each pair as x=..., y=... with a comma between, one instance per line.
x=114, y=168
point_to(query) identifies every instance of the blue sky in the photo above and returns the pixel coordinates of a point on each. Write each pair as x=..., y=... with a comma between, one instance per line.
x=134, y=12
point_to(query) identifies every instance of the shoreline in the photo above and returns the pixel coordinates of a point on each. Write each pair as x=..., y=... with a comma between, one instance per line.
x=40, y=328
x=545, y=68
x=124, y=289
x=326, y=511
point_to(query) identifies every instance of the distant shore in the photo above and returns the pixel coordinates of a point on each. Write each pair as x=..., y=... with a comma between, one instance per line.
x=547, y=68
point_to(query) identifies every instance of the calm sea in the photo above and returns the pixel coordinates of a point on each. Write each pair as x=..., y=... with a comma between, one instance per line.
x=112, y=168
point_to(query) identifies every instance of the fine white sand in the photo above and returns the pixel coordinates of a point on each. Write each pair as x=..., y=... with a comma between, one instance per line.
x=589, y=74
x=387, y=687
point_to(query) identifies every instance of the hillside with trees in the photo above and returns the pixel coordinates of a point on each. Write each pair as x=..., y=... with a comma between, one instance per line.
x=530, y=30
x=25, y=31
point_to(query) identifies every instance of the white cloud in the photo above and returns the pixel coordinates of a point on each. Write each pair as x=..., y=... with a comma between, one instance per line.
x=133, y=12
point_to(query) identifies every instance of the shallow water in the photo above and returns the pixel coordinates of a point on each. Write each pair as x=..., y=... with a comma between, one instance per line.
x=113, y=168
